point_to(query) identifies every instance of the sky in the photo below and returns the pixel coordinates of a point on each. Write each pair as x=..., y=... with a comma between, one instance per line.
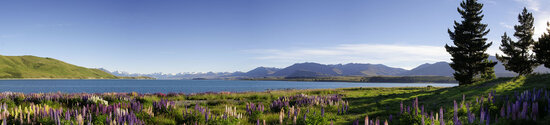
x=172, y=36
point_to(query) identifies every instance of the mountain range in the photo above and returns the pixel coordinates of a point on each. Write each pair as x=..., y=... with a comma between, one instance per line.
x=160, y=75
x=310, y=69
x=40, y=67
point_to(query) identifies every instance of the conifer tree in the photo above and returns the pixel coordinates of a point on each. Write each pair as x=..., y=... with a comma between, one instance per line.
x=489, y=73
x=542, y=49
x=517, y=57
x=468, y=53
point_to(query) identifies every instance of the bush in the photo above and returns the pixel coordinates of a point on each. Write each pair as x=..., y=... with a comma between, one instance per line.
x=255, y=116
x=410, y=119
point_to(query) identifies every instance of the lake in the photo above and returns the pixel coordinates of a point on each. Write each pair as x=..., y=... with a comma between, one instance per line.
x=185, y=86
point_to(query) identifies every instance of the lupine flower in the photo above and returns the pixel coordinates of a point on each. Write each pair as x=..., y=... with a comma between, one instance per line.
x=401, y=108
x=456, y=121
x=323, y=111
x=441, y=121
x=367, y=120
x=422, y=121
x=482, y=116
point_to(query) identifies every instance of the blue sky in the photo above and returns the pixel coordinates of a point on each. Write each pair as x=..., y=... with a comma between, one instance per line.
x=171, y=36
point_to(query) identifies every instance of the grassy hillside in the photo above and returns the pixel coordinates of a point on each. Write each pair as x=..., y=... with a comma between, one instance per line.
x=39, y=67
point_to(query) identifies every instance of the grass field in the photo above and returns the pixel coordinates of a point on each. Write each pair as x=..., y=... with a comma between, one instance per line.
x=321, y=106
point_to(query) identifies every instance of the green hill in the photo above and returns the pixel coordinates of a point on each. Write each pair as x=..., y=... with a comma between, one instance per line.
x=38, y=67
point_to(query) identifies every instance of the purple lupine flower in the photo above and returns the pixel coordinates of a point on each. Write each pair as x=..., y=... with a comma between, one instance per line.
x=535, y=110
x=502, y=111
x=401, y=107
x=422, y=110
x=489, y=98
x=509, y=110
x=470, y=118
x=482, y=116
x=432, y=118
x=67, y=115
x=441, y=121
x=524, y=111
x=323, y=111
x=206, y=116
x=456, y=121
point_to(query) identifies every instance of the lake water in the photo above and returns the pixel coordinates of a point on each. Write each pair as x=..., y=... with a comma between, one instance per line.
x=186, y=86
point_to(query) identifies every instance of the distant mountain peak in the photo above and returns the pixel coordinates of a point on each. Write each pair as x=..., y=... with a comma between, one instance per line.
x=317, y=69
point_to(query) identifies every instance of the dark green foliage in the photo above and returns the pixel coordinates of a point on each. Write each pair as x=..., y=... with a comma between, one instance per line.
x=146, y=118
x=99, y=119
x=221, y=121
x=468, y=54
x=410, y=119
x=542, y=49
x=513, y=59
x=517, y=57
x=255, y=116
x=43, y=121
x=489, y=73
x=313, y=119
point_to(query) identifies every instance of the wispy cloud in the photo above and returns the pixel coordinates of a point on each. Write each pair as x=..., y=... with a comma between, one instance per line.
x=531, y=4
x=490, y=1
x=396, y=55
x=405, y=56
x=506, y=25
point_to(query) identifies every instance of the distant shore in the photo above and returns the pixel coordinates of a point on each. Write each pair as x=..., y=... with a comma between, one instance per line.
x=362, y=79
x=137, y=78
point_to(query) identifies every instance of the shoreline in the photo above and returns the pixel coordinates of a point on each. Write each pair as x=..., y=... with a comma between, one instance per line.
x=241, y=92
x=357, y=82
x=123, y=78
x=232, y=80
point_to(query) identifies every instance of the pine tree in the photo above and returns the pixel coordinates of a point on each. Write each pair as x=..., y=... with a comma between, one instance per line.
x=542, y=49
x=517, y=57
x=489, y=72
x=468, y=54
x=513, y=58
